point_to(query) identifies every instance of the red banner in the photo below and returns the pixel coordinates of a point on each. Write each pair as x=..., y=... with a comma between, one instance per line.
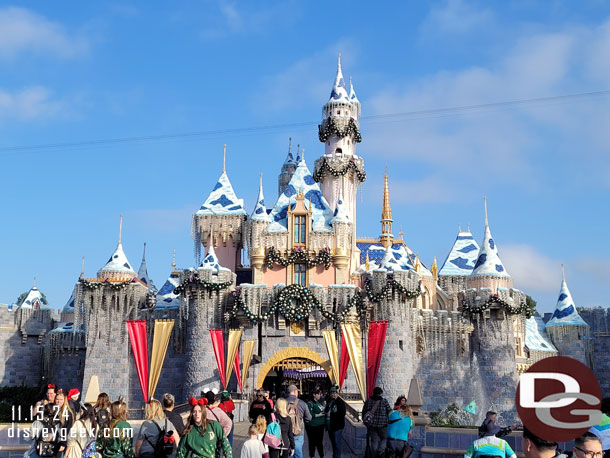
x=343, y=362
x=139, y=346
x=237, y=371
x=219, y=353
x=377, y=332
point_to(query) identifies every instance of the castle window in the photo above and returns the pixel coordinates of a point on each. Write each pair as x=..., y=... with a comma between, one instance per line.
x=339, y=151
x=300, y=272
x=300, y=229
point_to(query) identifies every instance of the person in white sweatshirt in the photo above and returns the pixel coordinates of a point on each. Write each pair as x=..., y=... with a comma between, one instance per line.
x=253, y=447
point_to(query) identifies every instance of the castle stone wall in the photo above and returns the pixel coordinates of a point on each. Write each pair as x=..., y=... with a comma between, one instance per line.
x=68, y=370
x=599, y=323
x=571, y=341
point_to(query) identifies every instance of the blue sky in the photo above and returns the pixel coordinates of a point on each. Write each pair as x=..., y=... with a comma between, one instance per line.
x=79, y=71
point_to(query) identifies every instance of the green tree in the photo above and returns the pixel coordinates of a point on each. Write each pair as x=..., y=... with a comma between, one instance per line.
x=531, y=306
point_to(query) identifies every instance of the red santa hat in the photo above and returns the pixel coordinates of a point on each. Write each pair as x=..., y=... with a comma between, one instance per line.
x=73, y=393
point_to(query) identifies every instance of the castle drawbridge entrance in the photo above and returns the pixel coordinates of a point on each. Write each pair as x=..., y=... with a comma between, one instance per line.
x=295, y=365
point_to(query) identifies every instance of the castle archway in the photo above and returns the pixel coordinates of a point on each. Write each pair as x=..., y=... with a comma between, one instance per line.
x=292, y=358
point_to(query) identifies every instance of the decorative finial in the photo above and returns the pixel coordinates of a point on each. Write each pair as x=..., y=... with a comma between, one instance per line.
x=120, y=228
x=459, y=227
x=339, y=60
x=434, y=269
x=289, y=145
x=485, y=203
x=468, y=227
x=144, y=253
x=260, y=180
x=563, y=274
x=224, y=159
x=34, y=282
x=303, y=154
x=82, y=267
x=298, y=150
x=174, y=260
x=367, y=263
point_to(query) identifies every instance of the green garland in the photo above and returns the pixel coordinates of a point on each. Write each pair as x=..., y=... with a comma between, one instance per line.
x=522, y=309
x=105, y=284
x=326, y=168
x=295, y=303
x=329, y=127
x=298, y=256
x=194, y=280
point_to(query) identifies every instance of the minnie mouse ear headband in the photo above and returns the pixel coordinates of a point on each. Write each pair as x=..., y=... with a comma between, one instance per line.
x=202, y=402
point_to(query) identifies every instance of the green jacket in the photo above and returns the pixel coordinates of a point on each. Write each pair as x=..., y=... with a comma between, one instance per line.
x=315, y=409
x=198, y=445
x=116, y=441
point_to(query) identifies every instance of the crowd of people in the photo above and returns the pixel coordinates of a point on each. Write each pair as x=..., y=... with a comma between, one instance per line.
x=64, y=427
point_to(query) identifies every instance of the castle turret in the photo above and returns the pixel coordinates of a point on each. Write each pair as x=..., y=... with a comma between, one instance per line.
x=386, y=237
x=488, y=271
x=259, y=219
x=117, y=267
x=567, y=330
x=143, y=273
x=223, y=214
x=288, y=168
x=340, y=171
x=343, y=241
x=458, y=266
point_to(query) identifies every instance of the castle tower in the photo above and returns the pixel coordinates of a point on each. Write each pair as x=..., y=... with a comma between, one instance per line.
x=488, y=271
x=166, y=298
x=143, y=273
x=340, y=170
x=386, y=237
x=257, y=223
x=204, y=311
x=223, y=214
x=458, y=266
x=343, y=241
x=567, y=330
x=102, y=305
x=288, y=168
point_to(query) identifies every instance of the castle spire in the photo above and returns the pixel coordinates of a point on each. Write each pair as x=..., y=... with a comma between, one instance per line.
x=34, y=283
x=339, y=94
x=118, y=265
x=386, y=215
x=143, y=271
x=565, y=311
x=174, y=260
x=488, y=261
x=224, y=158
x=82, y=267
x=120, y=228
x=260, y=211
x=485, y=203
x=353, y=98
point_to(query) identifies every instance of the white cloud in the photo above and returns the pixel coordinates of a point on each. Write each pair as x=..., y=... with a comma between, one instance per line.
x=599, y=269
x=29, y=103
x=22, y=30
x=531, y=269
x=304, y=80
x=455, y=17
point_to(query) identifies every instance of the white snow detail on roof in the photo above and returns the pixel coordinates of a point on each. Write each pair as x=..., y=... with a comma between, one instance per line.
x=352, y=96
x=565, y=311
x=166, y=299
x=143, y=272
x=462, y=257
x=340, y=215
x=488, y=260
x=301, y=181
x=69, y=307
x=389, y=262
x=117, y=263
x=210, y=261
x=260, y=211
x=536, y=338
x=338, y=94
x=33, y=299
x=67, y=328
x=222, y=200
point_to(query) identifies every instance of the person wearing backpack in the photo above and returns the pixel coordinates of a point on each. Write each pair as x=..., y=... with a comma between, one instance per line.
x=116, y=439
x=155, y=433
x=102, y=411
x=279, y=435
x=375, y=415
x=81, y=440
x=299, y=415
x=44, y=433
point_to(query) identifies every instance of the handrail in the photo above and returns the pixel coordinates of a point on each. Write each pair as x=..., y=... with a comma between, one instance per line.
x=351, y=411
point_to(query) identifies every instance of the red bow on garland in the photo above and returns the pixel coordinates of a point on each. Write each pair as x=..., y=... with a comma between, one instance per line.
x=202, y=402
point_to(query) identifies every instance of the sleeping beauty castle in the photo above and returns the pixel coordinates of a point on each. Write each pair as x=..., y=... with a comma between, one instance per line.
x=286, y=291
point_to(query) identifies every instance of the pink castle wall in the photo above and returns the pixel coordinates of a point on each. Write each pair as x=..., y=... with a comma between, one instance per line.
x=274, y=276
x=321, y=276
x=490, y=282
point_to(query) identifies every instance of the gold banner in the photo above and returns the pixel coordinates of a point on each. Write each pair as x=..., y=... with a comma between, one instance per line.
x=232, y=346
x=246, y=356
x=333, y=354
x=353, y=342
x=163, y=331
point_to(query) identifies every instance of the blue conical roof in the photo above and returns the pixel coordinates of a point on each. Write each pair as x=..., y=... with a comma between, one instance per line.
x=143, y=272
x=462, y=257
x=260, y=211
x=210, y=261
x=302, y=181
x=339, y=94
x=565, y=311
x=488, y=261
x=536, y=338
x=222, y=200
x=166, y=298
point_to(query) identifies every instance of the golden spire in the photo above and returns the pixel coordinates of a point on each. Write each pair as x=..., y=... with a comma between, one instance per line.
x=434, y=269
x=417, y=264
x=386, y=214
x=367, y=263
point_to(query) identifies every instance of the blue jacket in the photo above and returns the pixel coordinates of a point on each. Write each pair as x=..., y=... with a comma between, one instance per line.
x=398, y=426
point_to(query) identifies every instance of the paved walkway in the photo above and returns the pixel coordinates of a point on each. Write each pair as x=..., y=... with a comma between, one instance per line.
x=241, y=432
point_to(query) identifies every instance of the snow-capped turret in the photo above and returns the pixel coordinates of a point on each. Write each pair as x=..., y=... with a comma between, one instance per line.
x=117, y=266
x=565, y=311
x=260, y=211
x=389, y=262
x=288, y=168
x=340, y=215
x=353, y=98
x=33, y=299
x=143, y=272
x=338, y=93
x=462, y=257
x=166, y=298
x=210, y=261
x=488, y=262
